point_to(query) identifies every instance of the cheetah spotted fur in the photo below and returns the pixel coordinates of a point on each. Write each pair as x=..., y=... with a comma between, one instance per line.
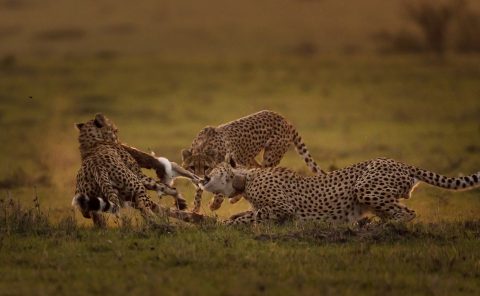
x=242, y=140
x=342, y=196
x=109, y=175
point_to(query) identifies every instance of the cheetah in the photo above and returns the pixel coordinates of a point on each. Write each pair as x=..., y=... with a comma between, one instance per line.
x=342, y=196
x=243, y=139
x=110, y=174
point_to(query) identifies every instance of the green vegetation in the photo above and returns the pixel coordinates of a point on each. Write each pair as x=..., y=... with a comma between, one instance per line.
x=162, y=70
x=347, y=109
x=44, y=259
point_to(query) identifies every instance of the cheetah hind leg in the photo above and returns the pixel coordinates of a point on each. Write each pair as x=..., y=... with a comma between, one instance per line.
x=391, y=211
x=274, y=150
x=98, y=219
x=254, y=164
x=109, y=192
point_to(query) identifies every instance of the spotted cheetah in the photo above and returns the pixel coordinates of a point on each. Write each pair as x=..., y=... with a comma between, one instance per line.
x=243, y=139
x=342, y=196
x=110, y=175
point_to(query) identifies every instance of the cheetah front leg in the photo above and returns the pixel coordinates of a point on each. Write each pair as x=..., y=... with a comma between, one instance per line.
x=197, y=200
x=218, y=199
x=235, y=199
x=278, y=214
x=244, y=218
x=251, y=217
x=216, y=202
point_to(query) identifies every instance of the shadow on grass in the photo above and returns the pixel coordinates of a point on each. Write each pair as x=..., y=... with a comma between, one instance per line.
x=16, y=219
x=379, y=233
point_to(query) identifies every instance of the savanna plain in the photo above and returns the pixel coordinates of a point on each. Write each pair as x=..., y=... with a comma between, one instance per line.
x=419, y=109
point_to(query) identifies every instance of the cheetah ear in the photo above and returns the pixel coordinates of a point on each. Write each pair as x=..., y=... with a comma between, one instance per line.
x=100, y=120
x=186, y=154
x=210, y=131
x=231, y=161
x=238, y=182
x=79, y=125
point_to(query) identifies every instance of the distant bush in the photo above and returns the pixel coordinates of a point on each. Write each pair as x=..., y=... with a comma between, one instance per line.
x=433, y=19
x=62, y=34
x=401, y=41
x=468, y=32
x=304, y=49
x=7, y=62
x=436, y=22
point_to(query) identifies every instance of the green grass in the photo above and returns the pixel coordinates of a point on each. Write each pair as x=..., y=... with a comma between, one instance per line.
x=232, y=262
x=419, y=111
x=438, y=259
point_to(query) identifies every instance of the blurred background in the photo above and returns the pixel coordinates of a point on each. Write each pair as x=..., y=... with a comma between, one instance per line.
x=219, y=29
x=359, y=79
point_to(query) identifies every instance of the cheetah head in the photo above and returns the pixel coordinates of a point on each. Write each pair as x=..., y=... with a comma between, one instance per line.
x=199, y=163
x=205, y=155
x=99, y=129
x=224, y=179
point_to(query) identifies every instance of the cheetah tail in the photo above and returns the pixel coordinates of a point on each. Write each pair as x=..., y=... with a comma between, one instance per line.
x=96, y=204
x=456, y=183
x=305, y=154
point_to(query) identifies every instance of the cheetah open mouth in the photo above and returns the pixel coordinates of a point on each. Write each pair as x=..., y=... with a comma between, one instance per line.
x=203, y=182
x=207, y=185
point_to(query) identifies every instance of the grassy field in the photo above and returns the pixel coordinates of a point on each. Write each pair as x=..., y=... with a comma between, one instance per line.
x=193, y=28
x=417, y=110
x=210, y=28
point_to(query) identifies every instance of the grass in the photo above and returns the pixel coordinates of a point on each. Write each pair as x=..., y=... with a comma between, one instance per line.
x=63, y=258
x=419, y=111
